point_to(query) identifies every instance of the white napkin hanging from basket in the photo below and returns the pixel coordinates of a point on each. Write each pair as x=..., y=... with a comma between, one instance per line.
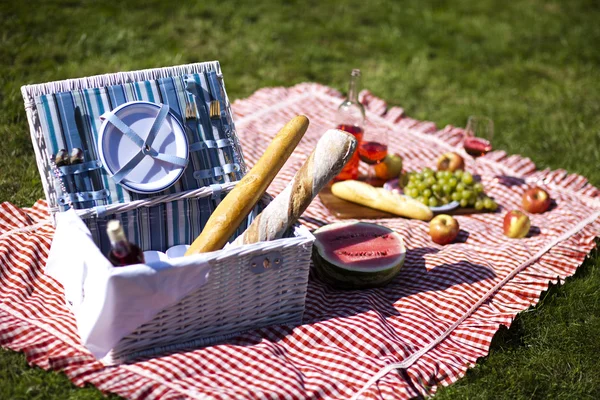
x=111, y=302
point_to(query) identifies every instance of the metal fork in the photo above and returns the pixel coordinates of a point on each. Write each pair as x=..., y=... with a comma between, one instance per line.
x=190, y=110
x=215, y=109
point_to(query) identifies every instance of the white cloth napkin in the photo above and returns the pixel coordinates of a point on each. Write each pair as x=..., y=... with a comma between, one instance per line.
x=111, y=302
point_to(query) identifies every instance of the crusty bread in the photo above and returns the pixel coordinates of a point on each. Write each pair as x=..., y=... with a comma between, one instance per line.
x=237, y=204
x=333, y=150
x=378, y=198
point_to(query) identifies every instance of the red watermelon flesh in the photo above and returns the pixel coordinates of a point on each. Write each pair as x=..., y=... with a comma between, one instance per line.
x=357, y=254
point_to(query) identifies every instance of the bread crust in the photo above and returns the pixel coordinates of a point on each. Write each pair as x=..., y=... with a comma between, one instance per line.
x=378, y=198
x=239, y=202
x=332, y=152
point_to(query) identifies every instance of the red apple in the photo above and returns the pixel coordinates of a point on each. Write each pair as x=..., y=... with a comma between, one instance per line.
x=536, y=200
x=443, y=229
x=516, y=224
x=450, y=162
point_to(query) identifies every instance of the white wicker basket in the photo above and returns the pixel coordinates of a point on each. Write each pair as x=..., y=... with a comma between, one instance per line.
x=248, y=287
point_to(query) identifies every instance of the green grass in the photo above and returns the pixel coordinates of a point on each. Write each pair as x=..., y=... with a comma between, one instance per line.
x=532, y=65
x=20, y=382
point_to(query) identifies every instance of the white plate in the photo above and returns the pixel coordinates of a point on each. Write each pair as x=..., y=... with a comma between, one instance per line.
x=446, y=207
x=115, y=149
x=393, y=186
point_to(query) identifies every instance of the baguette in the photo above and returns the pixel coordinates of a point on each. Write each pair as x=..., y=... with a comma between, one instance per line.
x=334, y=149
x=380, y=199
x=237, y=204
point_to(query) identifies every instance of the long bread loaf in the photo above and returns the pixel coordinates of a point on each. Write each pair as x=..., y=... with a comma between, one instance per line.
x=332, y=152
x=237, y=204
x=364, y=194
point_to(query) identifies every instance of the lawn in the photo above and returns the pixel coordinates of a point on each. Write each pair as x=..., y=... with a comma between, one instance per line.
x=531, y=65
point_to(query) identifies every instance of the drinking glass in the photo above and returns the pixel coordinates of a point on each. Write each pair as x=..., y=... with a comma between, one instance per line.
x=478, y=136
x=372, y=149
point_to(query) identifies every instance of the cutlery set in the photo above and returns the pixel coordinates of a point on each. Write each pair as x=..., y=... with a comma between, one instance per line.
x=209, y=133
x=212, y=127
x=78, y=188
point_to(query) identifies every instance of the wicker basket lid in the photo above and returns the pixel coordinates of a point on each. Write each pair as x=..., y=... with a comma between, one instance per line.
x=67, y=115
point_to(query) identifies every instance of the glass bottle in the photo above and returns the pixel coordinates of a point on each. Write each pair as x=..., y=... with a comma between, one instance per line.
x=122, y=251
x=351, y=118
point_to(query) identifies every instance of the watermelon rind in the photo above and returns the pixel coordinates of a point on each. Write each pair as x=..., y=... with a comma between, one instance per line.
x=344, y=276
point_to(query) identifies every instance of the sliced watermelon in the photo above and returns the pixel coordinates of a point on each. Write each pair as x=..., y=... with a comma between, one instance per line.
x=357, y=255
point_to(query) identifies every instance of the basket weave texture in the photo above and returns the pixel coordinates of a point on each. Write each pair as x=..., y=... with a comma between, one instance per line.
x=65, y=114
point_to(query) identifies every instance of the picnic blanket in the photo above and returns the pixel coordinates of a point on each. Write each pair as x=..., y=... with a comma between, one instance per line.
x=421, y=331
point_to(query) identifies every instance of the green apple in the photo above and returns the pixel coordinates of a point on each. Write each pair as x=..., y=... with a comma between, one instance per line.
x=390, y=168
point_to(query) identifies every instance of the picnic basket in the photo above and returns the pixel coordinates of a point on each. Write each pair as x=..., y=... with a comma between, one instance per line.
x=241, y=292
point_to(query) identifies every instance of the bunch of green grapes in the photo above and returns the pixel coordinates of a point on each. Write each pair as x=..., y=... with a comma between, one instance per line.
x=436, y=188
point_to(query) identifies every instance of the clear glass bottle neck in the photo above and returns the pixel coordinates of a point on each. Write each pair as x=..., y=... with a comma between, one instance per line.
x=351, y=113
x=354, y=86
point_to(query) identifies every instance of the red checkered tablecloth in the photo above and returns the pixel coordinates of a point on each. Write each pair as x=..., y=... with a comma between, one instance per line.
x=421, y=331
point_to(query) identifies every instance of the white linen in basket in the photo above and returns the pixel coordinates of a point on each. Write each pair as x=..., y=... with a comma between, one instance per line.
x=111, y=302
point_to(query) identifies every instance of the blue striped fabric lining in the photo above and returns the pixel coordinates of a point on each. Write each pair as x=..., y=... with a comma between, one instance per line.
x=153, y=228
x=72, y=119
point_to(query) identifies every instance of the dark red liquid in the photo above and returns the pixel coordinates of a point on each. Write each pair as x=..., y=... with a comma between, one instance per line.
x=372, y=152
x=476, y=147
x=134, y=255
x=350, y=170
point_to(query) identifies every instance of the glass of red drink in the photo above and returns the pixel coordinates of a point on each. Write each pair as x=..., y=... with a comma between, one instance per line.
x=350, y=170
x=372, y=150
x=478, y=136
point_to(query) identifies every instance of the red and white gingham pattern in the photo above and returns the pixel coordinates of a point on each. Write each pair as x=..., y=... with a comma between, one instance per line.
x=434, y=320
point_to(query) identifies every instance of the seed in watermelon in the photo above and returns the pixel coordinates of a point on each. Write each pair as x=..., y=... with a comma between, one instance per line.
x=357, y=255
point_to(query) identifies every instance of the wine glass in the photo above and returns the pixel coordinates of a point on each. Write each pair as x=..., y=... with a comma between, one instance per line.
x=372, y=150
x=478, y=136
